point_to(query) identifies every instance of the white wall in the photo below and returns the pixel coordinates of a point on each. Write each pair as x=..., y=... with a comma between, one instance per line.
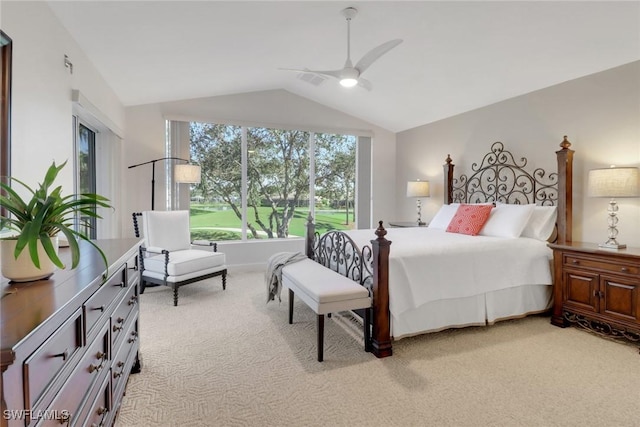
x=41, y=124
x=599, y=113
x=277, y=108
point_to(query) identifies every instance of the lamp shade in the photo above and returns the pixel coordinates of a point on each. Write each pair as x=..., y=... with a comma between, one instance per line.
x=614, y=182
x=418, y=189
x=186, y=174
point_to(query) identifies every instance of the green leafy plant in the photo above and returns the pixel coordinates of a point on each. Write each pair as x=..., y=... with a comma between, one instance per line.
x=46, y=214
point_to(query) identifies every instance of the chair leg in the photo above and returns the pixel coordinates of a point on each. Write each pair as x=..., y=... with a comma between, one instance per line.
x=290, y=306
x=320, y=337
x=224, y=280
x=142, y=287
x=175, y=294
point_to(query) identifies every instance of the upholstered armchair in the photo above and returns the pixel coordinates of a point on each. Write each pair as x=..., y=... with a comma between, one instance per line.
x=169, y=258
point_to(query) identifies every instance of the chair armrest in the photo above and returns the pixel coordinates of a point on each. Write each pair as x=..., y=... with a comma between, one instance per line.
x=207, y=243
x=155, y=250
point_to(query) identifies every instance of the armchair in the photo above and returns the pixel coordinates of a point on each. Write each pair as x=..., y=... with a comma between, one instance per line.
x=169, y=258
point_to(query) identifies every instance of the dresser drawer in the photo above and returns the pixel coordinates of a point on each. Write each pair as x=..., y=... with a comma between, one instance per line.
x=132, y=269
x=92, y=367
x=42, y=367
x=98, y=411
x=123, y=360
x=99, y=302
x=126, y=309
x=601, y=265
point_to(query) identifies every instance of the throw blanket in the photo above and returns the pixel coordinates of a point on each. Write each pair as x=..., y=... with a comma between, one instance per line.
x=273, y=275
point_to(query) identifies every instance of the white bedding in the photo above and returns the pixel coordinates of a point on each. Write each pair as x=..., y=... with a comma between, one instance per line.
x=428, y=265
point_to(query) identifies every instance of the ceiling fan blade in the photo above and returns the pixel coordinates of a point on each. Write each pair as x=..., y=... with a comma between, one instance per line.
x=375, y=53
x=365, y=84
x=330, y=73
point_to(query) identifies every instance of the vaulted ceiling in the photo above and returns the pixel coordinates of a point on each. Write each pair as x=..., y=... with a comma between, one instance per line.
x=455, y=56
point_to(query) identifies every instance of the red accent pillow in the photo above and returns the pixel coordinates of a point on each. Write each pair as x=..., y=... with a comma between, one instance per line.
x=469, y=219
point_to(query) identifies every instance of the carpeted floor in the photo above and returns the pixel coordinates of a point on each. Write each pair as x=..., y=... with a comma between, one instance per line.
x=226, y=358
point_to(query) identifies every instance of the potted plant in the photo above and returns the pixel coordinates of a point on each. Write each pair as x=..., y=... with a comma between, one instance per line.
x=36, y=224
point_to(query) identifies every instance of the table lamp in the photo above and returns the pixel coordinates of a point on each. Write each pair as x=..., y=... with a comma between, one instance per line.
x=613, y=182
x=418, y=189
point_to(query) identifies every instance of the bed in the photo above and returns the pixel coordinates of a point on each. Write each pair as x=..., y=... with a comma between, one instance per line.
x=427, y=279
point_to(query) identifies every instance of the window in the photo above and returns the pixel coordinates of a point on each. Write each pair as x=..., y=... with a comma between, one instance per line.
x=256, y=181
x=86, y=172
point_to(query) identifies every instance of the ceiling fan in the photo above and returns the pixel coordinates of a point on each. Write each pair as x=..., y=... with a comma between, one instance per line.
x=350, y=75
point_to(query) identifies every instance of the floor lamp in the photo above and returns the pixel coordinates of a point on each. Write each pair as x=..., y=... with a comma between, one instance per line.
x=153, y=174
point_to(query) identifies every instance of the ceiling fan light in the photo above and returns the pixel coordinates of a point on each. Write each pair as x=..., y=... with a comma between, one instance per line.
x=348, y=82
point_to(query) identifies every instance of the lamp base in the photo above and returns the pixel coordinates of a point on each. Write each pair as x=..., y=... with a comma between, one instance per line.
x=612, y=246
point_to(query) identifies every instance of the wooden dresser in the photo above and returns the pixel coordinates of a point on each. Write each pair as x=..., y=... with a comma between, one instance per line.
x=69, y=343
x=598, y=289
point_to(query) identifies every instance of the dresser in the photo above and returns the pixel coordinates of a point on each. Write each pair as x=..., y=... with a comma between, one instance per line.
x=70, y=342
x=598, y=289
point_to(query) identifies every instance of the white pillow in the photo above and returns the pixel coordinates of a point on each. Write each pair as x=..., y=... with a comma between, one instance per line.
x=444, y=216
x=541, y=223
x=507, y=220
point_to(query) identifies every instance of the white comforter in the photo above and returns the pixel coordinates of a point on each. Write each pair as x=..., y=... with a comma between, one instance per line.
x=428, y=264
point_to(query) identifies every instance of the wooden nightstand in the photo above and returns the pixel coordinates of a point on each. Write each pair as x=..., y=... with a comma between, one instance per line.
x=406, y=224
x=597, y=289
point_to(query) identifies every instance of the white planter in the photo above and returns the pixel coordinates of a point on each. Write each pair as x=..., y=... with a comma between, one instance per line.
x=22, y=269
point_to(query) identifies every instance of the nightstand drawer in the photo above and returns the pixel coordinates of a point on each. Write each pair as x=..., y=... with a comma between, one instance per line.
x=600, y=265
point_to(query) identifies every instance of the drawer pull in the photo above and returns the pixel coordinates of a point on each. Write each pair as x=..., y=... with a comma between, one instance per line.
x=575, y=262
x=134, y=337
x=120, y=285
x=100, y=411
x=120, y=364
x=101, y=308
x=102, y=357
x=64, y=355
x=624, y=270
x=132, y=300
x=93, y=368
x=598, y=294
x=65, y=418
x=117, y=328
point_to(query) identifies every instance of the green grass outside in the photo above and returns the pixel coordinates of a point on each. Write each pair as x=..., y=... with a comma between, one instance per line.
x=208, y=223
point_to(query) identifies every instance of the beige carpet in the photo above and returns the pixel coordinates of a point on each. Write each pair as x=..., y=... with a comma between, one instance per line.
x=226, y=358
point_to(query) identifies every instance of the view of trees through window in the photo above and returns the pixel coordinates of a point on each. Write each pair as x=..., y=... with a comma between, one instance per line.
x=278, y=174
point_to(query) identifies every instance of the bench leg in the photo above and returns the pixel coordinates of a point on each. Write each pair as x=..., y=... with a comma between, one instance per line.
x=290, y=306
x=367, y=330
x=320, y=337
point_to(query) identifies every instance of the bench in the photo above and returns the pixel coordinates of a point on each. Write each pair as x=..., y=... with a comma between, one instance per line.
x=325, y=291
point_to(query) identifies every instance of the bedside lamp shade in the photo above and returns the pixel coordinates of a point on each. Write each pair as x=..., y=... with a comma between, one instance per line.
x=418, y=189
x=186, y=174
x=613, y=182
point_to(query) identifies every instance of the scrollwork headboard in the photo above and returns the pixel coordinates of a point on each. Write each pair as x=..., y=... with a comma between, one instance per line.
x=499, y=177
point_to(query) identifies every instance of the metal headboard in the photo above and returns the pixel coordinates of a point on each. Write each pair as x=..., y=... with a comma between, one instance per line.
x=501, y=178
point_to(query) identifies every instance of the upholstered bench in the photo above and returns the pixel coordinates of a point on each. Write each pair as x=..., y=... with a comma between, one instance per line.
x=325, y=292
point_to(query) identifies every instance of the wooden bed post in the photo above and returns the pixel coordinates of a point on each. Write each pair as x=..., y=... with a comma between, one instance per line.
x=381, y=333
x=311, y=231
x=448, y=180
x=565, y=192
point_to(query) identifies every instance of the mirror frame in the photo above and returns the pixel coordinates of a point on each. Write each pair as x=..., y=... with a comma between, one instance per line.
x=6, y=46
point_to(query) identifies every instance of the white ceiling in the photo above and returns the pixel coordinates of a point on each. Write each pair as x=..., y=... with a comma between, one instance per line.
x=456, y=56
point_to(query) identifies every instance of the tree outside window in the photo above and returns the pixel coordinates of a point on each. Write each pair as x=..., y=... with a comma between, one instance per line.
x=277, y=183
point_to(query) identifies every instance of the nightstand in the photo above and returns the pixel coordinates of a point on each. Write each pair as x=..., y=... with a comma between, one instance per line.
x=597, y=289
x=407, y=224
